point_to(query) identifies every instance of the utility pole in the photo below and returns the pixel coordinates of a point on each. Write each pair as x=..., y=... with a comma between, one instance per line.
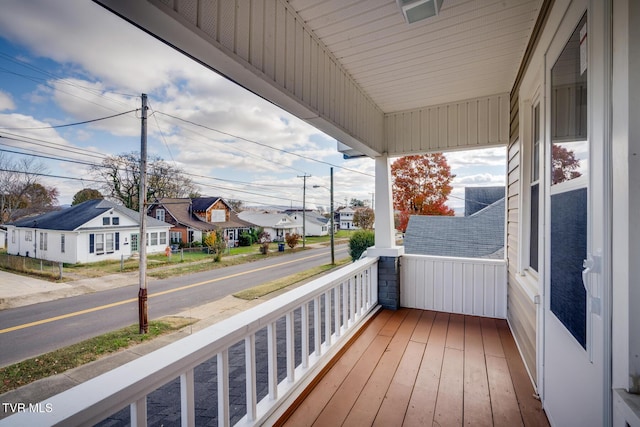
x=332, y=213
x=304, y=208
x=333, y=250
x=142, y=198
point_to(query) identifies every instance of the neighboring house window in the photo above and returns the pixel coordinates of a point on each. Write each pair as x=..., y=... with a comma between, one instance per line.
x=534, y=190
x=190, y=236
x=43, y=241
x=100, y=243
x=154, y=239
x=27, y=236
x=218, y=215
x=106, y=221
x=13, y=236
x=62, y=244
x=163, y=238
x=109, y=243
x=115, y=220
x=160, y=214
x=175, y=236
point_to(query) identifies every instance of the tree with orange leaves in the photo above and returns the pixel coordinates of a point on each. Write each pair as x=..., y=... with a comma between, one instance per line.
x=421, y=185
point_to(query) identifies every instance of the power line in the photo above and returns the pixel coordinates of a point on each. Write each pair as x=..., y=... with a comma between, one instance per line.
x=236, y=148
x=52, y=145
x=49, y=175
x=62, y=159
x=262, y=144
x=70, y=124
x=59, y=78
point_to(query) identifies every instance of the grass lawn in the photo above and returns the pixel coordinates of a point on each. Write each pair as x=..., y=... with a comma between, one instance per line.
x=58, y=361
x=283, y=282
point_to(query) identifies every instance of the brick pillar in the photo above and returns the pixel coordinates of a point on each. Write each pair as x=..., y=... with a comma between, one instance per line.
x=389, y=282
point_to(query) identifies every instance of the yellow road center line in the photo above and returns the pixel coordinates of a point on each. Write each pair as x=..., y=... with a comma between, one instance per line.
x=115, y=304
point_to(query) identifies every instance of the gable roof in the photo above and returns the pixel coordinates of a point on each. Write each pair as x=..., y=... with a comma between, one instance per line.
x=480, y=235
x=310, y=217
x=234, y=222
x=201, y=204
x=272, y=220
x=181, y=211
x=76, y=216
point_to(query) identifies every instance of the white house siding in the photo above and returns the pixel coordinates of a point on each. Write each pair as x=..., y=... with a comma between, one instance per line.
x=480, y=122
x=84, y=254
x=521, y=312
x=470, y=286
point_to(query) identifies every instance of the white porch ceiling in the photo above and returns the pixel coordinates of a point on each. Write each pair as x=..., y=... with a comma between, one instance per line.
x=355, y=69
x=473, y=48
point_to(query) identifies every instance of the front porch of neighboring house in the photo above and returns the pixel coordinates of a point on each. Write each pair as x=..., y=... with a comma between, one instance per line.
x=327, y=353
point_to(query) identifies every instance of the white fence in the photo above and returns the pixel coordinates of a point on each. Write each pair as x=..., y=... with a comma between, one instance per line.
x=472, y=286
x=328, y=310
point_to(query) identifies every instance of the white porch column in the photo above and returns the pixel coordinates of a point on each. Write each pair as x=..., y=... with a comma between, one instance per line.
x=385, y=230
x=389, y=263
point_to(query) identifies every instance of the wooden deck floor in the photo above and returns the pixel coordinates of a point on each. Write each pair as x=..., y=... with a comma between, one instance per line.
x=414, y=367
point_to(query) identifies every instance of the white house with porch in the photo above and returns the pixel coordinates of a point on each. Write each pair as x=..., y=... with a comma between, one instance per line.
x=546, y=80
x=95, y=230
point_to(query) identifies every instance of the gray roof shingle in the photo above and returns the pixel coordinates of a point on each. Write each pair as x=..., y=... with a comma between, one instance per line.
x=76, y=216
x=480, y=235
x=478, y=198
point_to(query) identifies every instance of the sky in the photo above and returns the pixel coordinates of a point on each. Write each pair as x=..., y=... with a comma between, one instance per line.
x=64, y=62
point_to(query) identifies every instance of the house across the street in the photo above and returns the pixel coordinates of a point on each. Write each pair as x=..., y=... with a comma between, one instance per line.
x=192, y=218
x=314, y=223
x=278, y=225
x=92, y=231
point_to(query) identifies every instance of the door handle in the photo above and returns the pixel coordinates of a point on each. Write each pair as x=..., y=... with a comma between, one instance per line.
x=591, y=265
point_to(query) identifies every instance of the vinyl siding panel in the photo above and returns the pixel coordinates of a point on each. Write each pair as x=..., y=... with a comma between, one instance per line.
x=457, y=285
x=521, y=310
x=521, y=314
x=474, y=123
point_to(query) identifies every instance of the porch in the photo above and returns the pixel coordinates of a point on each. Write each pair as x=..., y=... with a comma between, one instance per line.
x=419, y=367
x=252, y=368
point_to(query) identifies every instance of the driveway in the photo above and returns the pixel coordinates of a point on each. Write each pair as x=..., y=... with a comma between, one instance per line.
x=17, y=286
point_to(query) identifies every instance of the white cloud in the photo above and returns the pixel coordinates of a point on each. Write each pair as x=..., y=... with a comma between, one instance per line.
x=6, y=102
x=479, y=180
x=113, y=51
x=479, y=157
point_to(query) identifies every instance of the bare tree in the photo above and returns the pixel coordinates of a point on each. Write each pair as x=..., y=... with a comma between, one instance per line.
x=121, y=176
x=21, y=190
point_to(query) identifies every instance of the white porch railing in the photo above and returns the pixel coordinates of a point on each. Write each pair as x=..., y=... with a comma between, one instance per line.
x=328, y=310
x=474, y=286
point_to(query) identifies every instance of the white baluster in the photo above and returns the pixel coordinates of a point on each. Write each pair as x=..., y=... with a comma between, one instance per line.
x=187, y=399
x=223, y=389
x=250, y=375
x=272, y=363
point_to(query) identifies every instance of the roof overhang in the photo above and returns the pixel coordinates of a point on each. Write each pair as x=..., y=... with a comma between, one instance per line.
x=351, y=67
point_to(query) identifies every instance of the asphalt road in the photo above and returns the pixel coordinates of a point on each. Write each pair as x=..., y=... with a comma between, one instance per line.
x=39, y=328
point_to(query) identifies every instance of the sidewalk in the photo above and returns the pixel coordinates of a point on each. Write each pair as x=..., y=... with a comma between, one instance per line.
x=17, y=290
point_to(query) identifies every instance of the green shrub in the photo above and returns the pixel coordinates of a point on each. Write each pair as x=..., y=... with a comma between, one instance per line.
x=359, y=242
x=245, y=239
